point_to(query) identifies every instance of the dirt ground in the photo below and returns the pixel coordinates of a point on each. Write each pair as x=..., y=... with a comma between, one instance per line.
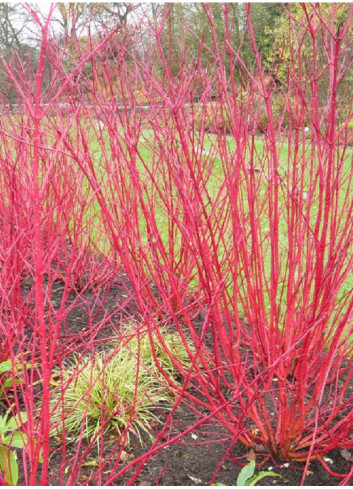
x=192, y=461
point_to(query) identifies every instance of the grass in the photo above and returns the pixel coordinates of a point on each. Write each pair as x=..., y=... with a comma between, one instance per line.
x=120, y=388
x=214, y=183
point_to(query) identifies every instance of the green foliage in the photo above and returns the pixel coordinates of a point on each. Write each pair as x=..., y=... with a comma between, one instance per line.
x=246, y=473
x=10, y=434
x=117, y=388
x=8, y=367
x=11, y=437
x=278, y=26
x=246, y=476
x=264, y=17
x=189, y=22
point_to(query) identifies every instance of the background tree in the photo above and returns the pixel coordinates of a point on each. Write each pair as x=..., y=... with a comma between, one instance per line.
x=73, y=18
x=15, y=45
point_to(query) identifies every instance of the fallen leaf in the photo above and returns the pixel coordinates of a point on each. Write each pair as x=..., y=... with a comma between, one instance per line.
x=258, y=447
x=347, y=455
x=250, y=455
x=309, y=472
x=195, y=479
x=125, y=457
x=193, y=436
x=90, y=463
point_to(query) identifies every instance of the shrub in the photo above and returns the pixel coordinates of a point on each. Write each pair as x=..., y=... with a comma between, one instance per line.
x=256, y=237
x=262, y=245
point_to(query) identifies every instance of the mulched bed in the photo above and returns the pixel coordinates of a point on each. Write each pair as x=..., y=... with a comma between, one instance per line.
x=195, y=458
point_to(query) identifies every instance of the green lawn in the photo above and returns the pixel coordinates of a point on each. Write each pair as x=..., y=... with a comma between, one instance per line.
x=215, y=181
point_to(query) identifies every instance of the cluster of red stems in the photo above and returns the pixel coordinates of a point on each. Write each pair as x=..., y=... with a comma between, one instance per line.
x=92, y=186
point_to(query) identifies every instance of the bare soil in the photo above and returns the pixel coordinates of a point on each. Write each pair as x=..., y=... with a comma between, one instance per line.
x=193, y=460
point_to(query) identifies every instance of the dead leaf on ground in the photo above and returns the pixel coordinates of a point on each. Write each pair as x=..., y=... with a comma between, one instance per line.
x=125, y=457
x=195, y=479
x=90, y=463
x=347, y=455
x=250, y=455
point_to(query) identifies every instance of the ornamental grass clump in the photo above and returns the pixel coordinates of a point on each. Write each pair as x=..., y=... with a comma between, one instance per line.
x=120, y=388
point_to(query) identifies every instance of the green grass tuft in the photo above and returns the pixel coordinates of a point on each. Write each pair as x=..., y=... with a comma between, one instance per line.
x=119, y=388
